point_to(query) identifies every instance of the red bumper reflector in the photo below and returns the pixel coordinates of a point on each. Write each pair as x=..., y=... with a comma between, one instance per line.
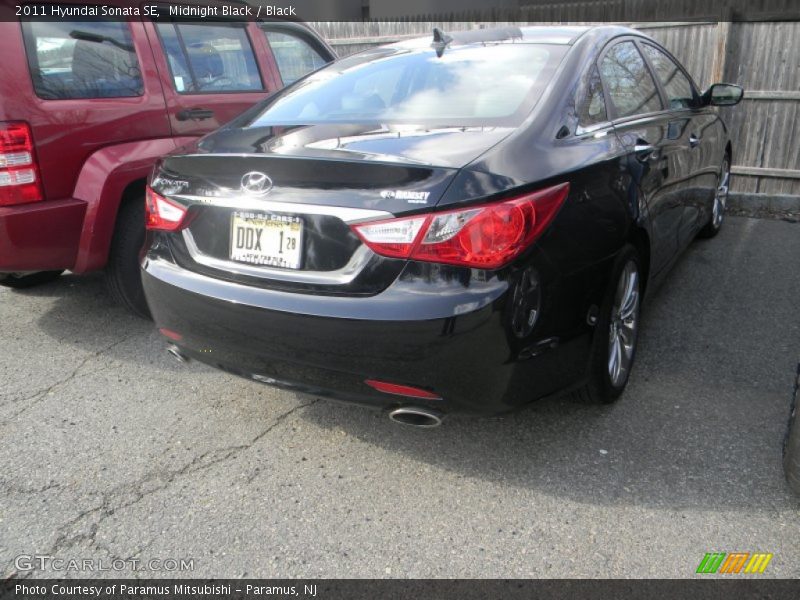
x=401, y=390
x=173, y=335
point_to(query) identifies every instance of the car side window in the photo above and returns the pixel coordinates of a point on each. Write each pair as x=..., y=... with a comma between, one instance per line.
x=680, y=91
x=294, y=55
x=209, y=59
x=82, y=59
x=627, y=79
x=593, y=108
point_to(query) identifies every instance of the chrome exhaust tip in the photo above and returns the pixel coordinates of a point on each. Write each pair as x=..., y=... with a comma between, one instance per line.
x=177, y=354
x=416, y=417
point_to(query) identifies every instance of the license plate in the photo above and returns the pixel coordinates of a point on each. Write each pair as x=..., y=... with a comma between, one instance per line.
x=266, y=239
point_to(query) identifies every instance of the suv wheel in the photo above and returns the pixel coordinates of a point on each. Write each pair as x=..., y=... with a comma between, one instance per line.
x=20, y=281
x=616, y=335
x=122, y=271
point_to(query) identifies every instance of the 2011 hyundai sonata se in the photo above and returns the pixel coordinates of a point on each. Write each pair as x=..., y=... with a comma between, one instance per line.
x=465, y=222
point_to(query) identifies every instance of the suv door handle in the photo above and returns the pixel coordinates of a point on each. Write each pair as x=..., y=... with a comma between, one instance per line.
x=694, y=141
x=198, y=114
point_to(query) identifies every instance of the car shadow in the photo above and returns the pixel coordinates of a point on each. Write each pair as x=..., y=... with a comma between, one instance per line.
x=700, y=425
x=82, y=313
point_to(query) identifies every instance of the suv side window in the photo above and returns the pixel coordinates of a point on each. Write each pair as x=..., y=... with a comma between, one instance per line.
x=680, y=90
x=593, y=108
x=295, y=56
x=627, y=79
x=210, y=58
x=82, y=59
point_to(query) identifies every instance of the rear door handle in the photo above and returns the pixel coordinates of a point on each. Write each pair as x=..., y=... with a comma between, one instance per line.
x=694, y=141
x=195, y=114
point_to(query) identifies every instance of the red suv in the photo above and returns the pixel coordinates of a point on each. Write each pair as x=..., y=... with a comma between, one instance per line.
x=86, y=107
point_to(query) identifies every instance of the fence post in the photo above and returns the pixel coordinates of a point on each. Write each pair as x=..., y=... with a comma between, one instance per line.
x=720, y=51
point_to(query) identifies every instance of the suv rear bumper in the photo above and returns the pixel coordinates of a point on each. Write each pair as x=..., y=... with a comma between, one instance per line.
x=41, y=236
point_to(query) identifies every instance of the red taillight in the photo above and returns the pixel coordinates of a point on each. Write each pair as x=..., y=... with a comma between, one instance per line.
x=401, y=390
x=19, y=175
x=163, y=214
x=487, y=236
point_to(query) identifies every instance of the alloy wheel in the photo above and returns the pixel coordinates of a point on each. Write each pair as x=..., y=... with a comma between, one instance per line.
x=721, y=195
x=623, y=325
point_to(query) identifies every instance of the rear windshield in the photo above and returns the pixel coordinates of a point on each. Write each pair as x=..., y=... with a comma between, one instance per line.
x=467, y=85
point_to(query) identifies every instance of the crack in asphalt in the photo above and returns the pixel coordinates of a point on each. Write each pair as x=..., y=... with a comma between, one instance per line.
x=35, y=397
x=67, y=537
x=39, y=396
x=9, y=486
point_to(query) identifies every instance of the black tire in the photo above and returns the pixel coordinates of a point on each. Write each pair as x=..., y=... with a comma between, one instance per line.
x=791, y=443
x=18, y=282
x=712, y=228
x=600, y=386
x=122, y=270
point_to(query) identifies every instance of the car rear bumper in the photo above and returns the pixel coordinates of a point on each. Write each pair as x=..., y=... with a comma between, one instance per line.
x=41, y=236
x=328, y=346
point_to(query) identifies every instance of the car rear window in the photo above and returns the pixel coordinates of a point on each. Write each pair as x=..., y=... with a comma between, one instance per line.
x=82, y=59
x=467, y=85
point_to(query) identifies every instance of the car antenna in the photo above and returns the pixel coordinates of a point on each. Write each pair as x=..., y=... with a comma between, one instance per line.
x=440, y=41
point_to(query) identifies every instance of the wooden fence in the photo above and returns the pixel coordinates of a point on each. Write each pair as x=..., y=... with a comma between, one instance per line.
x=764, y=57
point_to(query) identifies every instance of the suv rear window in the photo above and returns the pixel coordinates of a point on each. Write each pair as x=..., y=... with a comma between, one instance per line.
x=492, y=84
x=295, y=56
x=82, y=59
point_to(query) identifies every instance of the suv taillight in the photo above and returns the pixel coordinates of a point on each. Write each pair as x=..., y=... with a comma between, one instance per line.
x=486, y=236
x=19, y=175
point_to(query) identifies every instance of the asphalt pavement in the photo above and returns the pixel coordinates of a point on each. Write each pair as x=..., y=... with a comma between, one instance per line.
x=111, y=450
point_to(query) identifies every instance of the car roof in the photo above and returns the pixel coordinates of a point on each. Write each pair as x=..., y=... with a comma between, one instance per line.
x=539, y=34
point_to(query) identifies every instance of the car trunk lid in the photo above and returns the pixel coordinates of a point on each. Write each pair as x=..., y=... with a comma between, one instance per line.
x=277, y=213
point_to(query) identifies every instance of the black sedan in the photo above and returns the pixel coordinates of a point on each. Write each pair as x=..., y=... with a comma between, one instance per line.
x=466, y=222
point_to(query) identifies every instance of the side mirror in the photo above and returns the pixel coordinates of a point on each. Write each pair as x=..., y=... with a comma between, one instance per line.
x=723, y=94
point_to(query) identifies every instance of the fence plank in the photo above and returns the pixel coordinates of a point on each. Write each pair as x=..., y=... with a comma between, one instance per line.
x=765, y=171
x=771, y=95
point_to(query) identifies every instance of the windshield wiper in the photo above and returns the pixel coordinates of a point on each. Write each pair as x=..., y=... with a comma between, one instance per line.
x=88, y=36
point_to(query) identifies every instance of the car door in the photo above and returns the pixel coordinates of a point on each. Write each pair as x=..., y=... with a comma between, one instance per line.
x=210, y=71
x=698, y=131
x=653, y=139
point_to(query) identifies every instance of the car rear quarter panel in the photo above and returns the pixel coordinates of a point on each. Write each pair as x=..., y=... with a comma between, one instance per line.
x=604, y=210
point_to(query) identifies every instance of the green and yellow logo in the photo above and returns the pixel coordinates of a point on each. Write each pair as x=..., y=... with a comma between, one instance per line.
x=734, y=562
